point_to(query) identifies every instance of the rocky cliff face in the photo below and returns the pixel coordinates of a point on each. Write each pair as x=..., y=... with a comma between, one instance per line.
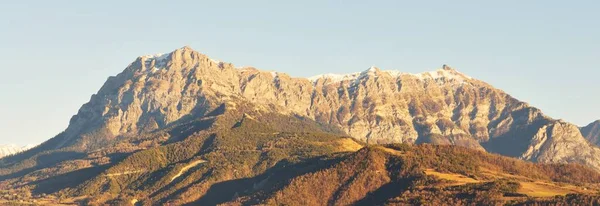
x=591, y=132
x=374, y=106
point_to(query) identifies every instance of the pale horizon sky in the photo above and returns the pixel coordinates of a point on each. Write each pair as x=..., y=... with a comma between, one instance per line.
x=56, y=54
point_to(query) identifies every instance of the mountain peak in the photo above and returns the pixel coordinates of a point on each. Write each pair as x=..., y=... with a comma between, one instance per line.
x=373, y=69
x=160, y=56
x=183, y=55
x=186, y=47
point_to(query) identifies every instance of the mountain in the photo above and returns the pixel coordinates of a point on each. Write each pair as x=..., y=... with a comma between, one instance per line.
x=591, y=132
x=374, y=106
x=6, y=150
x=183, y=128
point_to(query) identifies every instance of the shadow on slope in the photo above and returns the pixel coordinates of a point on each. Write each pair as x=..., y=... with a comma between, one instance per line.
x=38, y=162
x=71, y=179
x=271, y=180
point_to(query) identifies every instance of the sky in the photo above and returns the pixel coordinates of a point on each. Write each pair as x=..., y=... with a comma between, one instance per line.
x=56, y=54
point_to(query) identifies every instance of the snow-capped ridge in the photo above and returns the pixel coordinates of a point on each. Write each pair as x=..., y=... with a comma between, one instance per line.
x=156, y=62
x=445, y=73
x=13, y=149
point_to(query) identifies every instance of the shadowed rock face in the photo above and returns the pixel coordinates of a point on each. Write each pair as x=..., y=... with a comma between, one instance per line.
x=591, y=132
x=374, y=106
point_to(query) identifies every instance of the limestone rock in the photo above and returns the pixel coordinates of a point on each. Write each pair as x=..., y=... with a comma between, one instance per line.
x=375, y=106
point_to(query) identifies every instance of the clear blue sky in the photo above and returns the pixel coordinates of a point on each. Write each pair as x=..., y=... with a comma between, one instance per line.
x=56, y=54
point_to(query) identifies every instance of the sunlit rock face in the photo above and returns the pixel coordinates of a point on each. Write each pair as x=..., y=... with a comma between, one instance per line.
x=375, y=106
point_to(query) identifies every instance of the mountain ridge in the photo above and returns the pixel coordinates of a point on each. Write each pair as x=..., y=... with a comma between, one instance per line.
x=374, y=106
x=180, y=128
